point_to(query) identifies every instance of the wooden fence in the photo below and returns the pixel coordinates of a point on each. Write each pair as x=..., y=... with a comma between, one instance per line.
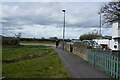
x=106, y=62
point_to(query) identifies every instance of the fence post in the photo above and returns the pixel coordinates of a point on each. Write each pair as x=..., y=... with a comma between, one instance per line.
x=111, y=65
x=90, y=56
x=105, y=63
x=97, y=58
x=117, y=68
x=87, y=54
x=100, y=61
x=114, y=65
x=103, y=60
x=94, y=58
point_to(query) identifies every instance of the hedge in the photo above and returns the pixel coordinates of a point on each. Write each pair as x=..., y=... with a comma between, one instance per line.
x=10, y=41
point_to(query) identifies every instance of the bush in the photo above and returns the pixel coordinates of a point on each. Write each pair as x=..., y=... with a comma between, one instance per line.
x=10, y=41
x=89, y=36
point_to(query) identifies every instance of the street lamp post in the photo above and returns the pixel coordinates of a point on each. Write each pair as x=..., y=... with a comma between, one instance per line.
x=63, y=28
x=100, y=25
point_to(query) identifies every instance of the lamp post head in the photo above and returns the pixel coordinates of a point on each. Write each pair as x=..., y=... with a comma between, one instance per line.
x=99, y=12
x=63, y=10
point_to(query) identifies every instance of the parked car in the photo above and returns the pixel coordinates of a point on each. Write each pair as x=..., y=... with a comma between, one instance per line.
x=78, y=41
x=96, y=45
x=92, y=44
x=86, y=41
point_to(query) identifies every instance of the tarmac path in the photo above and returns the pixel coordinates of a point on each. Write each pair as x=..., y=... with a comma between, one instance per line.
x=77, y=67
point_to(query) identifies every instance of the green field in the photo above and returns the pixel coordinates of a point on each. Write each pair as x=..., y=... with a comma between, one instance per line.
x=32, y=62
x=38, y=42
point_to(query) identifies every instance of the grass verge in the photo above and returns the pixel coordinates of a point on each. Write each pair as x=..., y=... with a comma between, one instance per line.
x=47, y=66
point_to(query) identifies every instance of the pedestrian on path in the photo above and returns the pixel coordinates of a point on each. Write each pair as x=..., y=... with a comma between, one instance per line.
x=57, y=43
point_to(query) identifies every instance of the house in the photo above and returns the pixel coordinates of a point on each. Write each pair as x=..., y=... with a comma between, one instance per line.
x=114, y=43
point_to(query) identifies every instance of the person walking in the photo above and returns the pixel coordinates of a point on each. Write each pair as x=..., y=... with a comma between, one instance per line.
x=57, y=43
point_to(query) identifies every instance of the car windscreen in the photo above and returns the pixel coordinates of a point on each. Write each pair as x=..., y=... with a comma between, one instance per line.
x=85, y=42
x=92, y=41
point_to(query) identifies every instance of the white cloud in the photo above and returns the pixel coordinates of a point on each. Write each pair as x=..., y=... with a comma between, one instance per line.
x=56, y=0
x=50, y=13
x=46, y=19
x=39, y=31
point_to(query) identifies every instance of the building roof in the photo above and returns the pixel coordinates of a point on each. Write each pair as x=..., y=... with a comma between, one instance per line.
x=116, y=38
x=106, y=37
x=115, y=20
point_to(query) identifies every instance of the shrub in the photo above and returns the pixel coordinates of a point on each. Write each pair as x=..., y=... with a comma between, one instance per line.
x=89, y=36
x=10, y=41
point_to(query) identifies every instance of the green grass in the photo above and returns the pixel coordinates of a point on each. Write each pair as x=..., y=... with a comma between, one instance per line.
x=18, y=52
x=0, y=62
x=48, y=66
x=38, y=42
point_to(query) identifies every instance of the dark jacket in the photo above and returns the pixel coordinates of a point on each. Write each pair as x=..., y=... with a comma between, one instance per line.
x=57, y=43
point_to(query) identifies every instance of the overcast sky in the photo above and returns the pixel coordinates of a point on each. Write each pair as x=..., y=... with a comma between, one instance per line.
x=45, y=19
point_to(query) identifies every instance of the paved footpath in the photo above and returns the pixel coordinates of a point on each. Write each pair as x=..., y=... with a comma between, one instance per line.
x=53, y=45
x=77, y=67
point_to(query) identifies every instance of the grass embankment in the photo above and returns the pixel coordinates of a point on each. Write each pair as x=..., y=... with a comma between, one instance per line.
x=32, y=62
x=51, y=42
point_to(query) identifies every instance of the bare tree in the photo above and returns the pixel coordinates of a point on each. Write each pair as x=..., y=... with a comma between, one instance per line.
x=110, y=12
x=42, y=38
x=18, y=35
